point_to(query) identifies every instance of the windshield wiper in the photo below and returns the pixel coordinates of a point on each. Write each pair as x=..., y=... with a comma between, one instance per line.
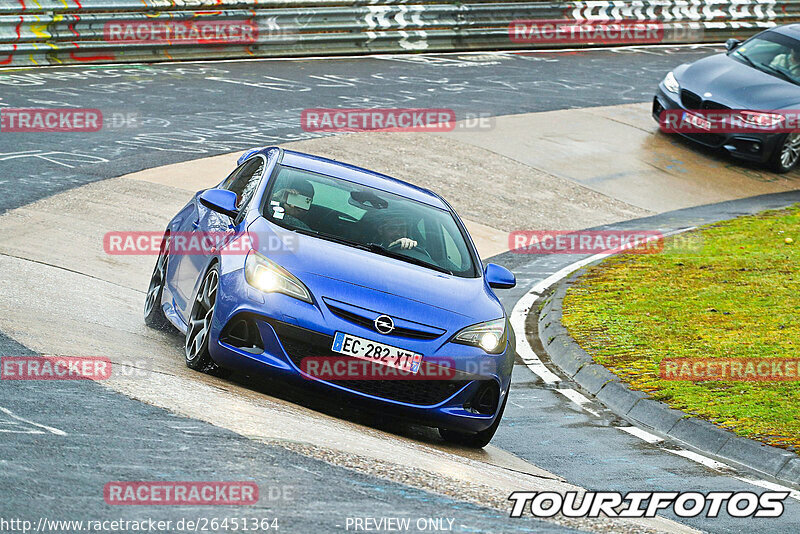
x=764, y=67
x=744, y=57
x=780, y=73
x=380, y=249
x=335, y=239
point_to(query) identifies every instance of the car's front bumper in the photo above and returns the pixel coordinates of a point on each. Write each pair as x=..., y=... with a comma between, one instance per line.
x=750, y=146
x=289, y=330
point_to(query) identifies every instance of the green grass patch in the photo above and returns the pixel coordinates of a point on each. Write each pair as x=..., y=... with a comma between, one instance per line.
x=733, y=295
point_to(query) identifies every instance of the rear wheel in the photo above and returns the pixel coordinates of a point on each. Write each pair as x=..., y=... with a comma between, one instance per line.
x=476, y=440
x=153, y=312
x=786, y=154
x=199, y=331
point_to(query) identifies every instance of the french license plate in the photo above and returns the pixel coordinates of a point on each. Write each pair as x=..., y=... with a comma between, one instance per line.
x=371, y=351
x=697, y=121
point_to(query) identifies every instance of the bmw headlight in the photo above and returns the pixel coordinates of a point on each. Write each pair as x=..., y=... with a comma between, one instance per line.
x=671, y=83
x=269, y=277
x=490, y=336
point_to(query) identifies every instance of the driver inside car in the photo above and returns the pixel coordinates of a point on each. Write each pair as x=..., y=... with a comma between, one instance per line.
x=291, y=204
x=393, y=232
x=789, y=62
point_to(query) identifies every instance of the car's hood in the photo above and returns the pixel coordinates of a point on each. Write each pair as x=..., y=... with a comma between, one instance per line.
x=378, y=283
x=737, y=85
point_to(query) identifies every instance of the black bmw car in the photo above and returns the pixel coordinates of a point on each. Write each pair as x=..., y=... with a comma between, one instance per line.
x=758, y=81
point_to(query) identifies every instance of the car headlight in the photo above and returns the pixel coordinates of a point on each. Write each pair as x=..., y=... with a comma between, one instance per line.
x=671, y=83
x=269, y=277
x=761, y=119
x=490, y=336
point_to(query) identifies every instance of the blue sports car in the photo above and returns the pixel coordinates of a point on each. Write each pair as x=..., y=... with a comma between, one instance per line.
x=340, y=278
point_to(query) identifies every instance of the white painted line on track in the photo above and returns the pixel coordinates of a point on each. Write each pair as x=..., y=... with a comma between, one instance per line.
x=50, y=429
x=578, y=399
x=641, y=434
x=700, y=459
x=794, y=494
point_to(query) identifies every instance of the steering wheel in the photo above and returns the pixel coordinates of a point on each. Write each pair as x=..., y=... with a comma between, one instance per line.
x=416, y=252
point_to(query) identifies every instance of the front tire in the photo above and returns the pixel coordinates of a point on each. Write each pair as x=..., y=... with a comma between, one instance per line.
x=153, y=312
x=786, y=154
x=475, y=440
x=198, y=333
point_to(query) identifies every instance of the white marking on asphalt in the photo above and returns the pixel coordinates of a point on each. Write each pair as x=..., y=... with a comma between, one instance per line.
x=699, y=458
x=50, y=429
x=518, y=317
x=578, y=399
x=641, y=434
x=794, y=494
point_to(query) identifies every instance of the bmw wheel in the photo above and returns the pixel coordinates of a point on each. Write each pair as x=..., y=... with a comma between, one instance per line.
x=787, y=153
x=199, y=331
x=153, y=312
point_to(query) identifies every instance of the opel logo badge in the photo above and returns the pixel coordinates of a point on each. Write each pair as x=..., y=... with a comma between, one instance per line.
x=384, y=324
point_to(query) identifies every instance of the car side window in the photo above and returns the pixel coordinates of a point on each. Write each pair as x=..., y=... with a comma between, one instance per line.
x=244, y=180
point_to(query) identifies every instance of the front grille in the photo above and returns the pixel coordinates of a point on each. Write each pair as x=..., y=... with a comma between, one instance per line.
x=710, y=104
x=690, y=100
x=365, y=322
x=300, y=343
x=693, y=102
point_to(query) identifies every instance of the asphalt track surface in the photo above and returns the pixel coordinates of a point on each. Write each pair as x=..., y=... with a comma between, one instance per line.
x=186, y=111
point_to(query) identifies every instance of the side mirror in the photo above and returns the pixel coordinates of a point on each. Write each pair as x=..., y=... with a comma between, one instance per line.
x=731, y=44
x=499, y=277
x=221, y=201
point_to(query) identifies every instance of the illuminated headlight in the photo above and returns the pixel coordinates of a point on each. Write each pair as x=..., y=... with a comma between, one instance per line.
x=490, y=336
x=269, y=277
x=671, y=83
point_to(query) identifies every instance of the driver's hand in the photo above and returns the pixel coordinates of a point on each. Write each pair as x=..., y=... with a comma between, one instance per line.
x=404, y=242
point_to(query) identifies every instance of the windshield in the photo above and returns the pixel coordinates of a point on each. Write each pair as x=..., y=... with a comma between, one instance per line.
x=367, y=218
x=772, y=53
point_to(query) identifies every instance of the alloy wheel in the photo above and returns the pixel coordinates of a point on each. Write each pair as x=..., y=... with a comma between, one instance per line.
x=201, y=316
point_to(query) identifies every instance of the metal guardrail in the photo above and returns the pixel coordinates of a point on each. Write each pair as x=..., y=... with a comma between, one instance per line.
x=48, y=32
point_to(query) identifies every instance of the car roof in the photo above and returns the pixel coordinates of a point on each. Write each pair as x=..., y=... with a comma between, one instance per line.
x=351, y=173
x=790, y=30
